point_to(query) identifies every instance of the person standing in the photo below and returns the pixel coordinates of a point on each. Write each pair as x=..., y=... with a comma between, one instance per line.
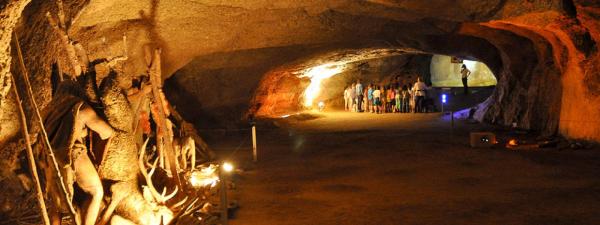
x=420, y=93
x=346, y=98
x=397, y=100
x=364, y=103
x=405, y=102
x=377, y=99
x=359, y=95
x=352, y=97
x=465, y=72
x=370, y=98
x=391, y=99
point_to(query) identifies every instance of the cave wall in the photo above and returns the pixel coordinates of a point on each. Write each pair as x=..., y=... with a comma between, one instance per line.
x=555, y=34
x=227, y=56
x=556, y=97
x=215, y=90
x=518, y=40
x=580, y=112
x=10, y=14
x=543, y=51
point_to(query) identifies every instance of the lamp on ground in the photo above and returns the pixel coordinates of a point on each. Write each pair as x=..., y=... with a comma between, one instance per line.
x=226, y=167
x=444, y=101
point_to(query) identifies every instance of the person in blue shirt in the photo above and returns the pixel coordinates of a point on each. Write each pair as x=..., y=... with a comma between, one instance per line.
x=370, y=98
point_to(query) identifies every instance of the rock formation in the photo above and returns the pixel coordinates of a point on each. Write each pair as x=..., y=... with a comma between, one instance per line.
x=234, y=57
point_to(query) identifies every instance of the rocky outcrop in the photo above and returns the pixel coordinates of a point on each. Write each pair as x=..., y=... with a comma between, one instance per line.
x=543, y=52
x=10, y=15
x=226, y=58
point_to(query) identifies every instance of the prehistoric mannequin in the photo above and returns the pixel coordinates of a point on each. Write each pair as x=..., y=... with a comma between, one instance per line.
x=67, y=124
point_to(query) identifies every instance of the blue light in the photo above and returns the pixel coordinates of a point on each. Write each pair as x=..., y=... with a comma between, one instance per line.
x=443, y=98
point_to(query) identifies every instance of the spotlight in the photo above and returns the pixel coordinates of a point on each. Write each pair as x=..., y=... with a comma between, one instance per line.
x=444, y=100
x=203, y=177
x=227, y=167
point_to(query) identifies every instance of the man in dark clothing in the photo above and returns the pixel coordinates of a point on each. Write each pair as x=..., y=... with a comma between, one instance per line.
x=465, y=75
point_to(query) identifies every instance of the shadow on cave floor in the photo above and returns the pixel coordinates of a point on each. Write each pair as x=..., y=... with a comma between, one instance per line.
x=349, y=168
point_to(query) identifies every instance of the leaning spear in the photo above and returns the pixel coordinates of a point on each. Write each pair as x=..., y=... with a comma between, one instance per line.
x=42, y=127
x=31, y=159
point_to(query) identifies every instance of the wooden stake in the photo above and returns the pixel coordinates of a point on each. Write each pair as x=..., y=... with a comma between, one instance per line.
x=223, y=196
x=155, y=80
x=42, y=127
x=31, y=159
x=254, y=151
x=68, y=45
x=60, y=71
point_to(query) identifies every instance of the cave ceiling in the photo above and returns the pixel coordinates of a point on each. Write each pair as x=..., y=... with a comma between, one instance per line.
x=185, y=29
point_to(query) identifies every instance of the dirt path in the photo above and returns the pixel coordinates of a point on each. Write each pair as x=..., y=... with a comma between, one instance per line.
x=347, y=168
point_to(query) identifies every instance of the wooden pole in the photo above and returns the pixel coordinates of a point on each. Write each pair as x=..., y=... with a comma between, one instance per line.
x=155, y=80
x=67, y=44
x=223, y=195
x=31, y=159
x=254, y=151
x=43, y=129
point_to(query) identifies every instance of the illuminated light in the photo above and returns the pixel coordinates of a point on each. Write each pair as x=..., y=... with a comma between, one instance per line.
x=205, y=177
x=321, y=106
x=227, y=167
x=471, y=65
x=444, y=100
x=285, y=116
x=317, y=75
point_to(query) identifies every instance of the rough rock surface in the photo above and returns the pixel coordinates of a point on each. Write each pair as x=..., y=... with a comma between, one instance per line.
x=9, y=15
x=543, y=52
x=540, y=83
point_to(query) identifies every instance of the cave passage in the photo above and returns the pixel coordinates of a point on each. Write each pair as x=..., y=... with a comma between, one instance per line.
x=254, y=112
x=375, y=81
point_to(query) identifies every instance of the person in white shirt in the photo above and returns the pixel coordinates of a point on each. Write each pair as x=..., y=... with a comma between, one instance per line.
x=420, y=90
x=377, y=99
x=346, y=98
x=359, y=96
x=353, y=97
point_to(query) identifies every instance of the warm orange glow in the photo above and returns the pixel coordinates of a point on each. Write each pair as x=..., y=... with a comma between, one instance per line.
x=205, y=177
x=227, y=167
x=317, y=75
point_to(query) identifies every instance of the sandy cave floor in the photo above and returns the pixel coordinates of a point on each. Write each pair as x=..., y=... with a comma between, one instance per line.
x=349, y=168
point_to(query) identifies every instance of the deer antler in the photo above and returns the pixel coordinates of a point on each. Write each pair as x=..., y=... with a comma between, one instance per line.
x=160, y=198
x=179, y=204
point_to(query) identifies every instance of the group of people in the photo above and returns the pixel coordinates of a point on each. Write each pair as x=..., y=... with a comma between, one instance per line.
x=387, y=98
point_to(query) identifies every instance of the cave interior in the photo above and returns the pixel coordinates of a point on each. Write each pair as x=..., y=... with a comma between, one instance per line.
x=142, y=95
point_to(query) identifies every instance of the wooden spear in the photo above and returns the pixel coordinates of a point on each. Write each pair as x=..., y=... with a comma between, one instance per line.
x=43, y=128
x=155, y=79
x=31, y=159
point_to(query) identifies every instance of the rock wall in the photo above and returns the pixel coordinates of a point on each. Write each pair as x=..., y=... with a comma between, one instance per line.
x=10, y=14
x=228, y=56
x=554, y=92
x=543, y=51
